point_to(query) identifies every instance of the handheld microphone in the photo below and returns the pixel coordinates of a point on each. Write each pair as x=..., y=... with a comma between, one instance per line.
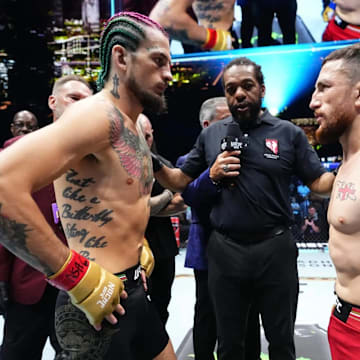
x=234, y=139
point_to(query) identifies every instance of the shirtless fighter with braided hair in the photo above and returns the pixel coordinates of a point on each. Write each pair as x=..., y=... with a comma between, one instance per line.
x=102, y=170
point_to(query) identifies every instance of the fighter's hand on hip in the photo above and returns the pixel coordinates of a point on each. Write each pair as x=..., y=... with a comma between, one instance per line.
x=91, y=288
x=226, y=165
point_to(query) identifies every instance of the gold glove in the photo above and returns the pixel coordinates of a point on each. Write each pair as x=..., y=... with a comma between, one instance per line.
x=147, y=260
x=91, y=288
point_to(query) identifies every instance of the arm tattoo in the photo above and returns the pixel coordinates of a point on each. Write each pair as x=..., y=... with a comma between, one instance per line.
x=209, y=10
x=133, y=152
x=114, y=90
x=210, y=20
x=13, y=236
x=182, y=35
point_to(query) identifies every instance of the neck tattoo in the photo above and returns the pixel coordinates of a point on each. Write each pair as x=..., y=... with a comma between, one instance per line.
x=114, y=90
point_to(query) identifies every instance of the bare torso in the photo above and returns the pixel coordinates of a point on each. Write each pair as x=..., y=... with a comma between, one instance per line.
x=217, y=14
x=103, y=199
x=344, y=234
x=349, y=11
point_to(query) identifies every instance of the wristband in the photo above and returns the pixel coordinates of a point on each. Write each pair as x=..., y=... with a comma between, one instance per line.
x=70, y=274
x=211, y=37
x=217, y=40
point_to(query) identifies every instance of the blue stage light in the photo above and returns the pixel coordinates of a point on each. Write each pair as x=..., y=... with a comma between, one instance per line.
x=112, y=7
x=290, y=71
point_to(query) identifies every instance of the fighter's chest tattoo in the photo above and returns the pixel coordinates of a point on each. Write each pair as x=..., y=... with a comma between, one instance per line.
x=132, y=152
x=345, y=191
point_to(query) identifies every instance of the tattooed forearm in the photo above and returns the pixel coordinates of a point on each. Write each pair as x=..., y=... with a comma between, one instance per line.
x=204, y=6
x=115, y=91
x=13, y=236
x=209, y=19
x=182, y=35
x=209, y=11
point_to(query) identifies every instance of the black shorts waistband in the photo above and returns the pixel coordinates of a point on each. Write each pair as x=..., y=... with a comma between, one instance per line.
x=130, y=277
x=344, y=311
x=254, y=237
x=344, y=24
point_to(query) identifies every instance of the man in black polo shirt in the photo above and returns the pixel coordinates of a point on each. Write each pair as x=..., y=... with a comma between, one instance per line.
x=252, y=256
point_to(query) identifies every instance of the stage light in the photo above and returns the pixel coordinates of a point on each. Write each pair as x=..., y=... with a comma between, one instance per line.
x=273, y=110
x=290, y=71
x=112, y=7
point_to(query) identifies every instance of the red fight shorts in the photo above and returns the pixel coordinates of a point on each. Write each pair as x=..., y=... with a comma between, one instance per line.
x=344, y=331
x=338, y=29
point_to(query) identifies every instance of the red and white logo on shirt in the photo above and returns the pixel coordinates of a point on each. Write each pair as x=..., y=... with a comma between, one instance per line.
x=273, y=145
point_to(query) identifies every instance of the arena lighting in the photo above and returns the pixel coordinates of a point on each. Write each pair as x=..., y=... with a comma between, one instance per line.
x=289, y=70
x=112, y=7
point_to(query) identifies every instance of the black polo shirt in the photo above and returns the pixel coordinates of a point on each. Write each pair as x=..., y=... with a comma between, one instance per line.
x=258, y=199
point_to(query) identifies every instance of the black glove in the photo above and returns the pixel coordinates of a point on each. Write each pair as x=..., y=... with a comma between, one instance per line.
x=4, y=297
x=157, y=163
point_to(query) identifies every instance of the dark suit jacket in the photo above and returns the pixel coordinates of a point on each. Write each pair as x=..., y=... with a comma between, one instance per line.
x=27, y=285
x=200, y=195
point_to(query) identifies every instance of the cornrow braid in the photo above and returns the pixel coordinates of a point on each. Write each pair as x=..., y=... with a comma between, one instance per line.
x=125, y=29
